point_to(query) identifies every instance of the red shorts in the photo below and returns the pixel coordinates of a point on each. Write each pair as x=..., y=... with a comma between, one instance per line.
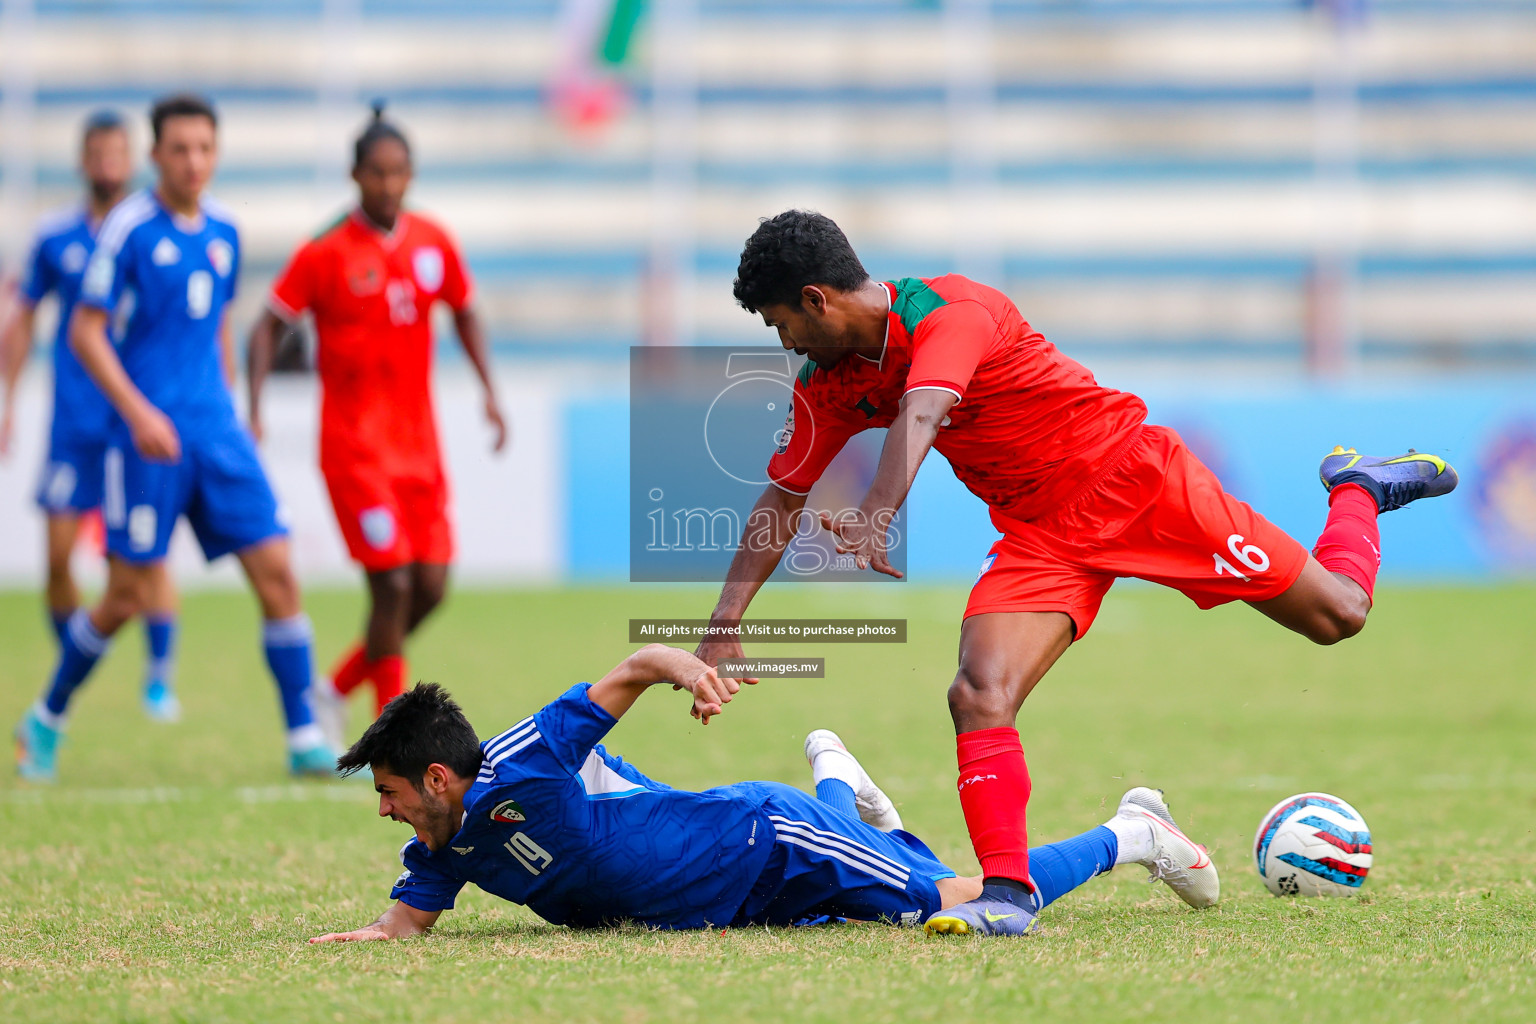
x=392, y=522
x=1155, y=513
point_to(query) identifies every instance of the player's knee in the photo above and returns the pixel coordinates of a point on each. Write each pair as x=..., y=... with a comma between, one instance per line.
x=426, y=596
x=277, y=591
x=392, y=590
x=58, y=568
x=979, y=699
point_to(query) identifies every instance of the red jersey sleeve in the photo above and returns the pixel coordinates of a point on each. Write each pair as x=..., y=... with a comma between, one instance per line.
x=458, y=288
x=948, y=346
x=813, y=435
x=295, y=288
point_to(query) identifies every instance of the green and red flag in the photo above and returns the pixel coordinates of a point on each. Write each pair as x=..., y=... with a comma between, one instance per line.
x=590, y=86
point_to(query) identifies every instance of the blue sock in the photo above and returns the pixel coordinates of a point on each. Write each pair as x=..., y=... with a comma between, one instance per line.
x=60, y=622
x=837, y=794
x=287, y=645
x=1058, y=868
x=160, y=638
x=80, y=647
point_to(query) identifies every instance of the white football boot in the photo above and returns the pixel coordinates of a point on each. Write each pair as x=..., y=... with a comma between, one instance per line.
x=875, y=808
x=1168, y=855
x=330, y=710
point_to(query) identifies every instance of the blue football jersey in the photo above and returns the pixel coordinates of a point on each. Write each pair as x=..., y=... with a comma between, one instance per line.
x=178, y=276
x=556, y=823
x=64, y=245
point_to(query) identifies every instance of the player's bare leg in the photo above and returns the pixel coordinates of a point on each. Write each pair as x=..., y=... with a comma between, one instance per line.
x=1002, y=656
x=62, y=595
x=287, y=639
x=1325, y=607
x=429, y=585
x=389, y=612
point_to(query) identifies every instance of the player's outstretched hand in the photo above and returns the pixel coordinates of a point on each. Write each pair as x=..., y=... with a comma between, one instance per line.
x=370, y=934
x=154, y=435
x=712, y=652
x=498, y=423
x=859, y=537
x=686, y=671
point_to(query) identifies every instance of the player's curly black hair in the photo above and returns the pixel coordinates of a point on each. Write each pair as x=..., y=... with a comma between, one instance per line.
x=378, y=129
x=421, y=727
x=182, y=104
x=790, y=251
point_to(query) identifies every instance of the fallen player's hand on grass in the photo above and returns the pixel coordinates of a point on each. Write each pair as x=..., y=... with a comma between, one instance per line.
x=369, y=934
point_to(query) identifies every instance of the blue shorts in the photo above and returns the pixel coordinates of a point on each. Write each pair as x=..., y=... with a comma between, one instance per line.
x=72, y=476
x=825, y=863
x=218, y=484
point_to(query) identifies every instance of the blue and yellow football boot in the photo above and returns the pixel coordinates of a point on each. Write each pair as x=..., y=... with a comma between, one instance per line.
x=994, y=912
x=1393, y=482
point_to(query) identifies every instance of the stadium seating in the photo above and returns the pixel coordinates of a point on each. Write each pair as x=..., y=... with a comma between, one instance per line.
x=1154, y=194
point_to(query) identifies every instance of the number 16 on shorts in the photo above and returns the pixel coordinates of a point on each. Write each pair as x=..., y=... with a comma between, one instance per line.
x=1250, y=556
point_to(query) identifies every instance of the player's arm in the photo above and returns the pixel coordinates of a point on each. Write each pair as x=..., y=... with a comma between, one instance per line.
x=260, y=352
x=617, y=691
x=153, y=433
x=16, y=330
x=398, y=922
x=770, y=526
x=471, y=331
x=906, y=445
x=227, y=350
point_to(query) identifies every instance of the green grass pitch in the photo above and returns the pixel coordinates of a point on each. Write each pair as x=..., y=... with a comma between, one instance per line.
x=175, y=872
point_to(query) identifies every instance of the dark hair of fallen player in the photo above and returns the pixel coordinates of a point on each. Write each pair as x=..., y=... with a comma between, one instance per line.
x=378, y=130
x=788, y=252
x=421, y=727
x=183, y=104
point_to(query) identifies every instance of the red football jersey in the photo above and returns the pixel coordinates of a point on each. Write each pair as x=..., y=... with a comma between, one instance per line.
x=372, y=294
x=1030, y=425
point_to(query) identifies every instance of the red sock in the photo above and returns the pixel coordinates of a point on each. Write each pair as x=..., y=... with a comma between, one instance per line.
x=994, y=791
x=351, y=670
x=1350, y=544
x=388, y=680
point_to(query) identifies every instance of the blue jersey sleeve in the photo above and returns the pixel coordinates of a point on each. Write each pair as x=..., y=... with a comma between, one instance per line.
x=421, y=885
x=571, y=725
x=40, y=278
x=110, y=269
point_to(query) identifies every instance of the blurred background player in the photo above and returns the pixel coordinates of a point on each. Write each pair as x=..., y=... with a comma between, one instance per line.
x=71, y=485
x=370, y=280
x=176, y=446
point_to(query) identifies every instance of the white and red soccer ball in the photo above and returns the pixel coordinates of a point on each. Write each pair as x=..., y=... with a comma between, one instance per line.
x=1313, y=844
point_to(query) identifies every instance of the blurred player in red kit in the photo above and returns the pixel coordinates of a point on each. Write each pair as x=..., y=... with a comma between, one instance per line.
x=370, y=280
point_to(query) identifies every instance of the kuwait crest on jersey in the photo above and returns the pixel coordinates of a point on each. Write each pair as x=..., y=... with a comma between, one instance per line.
x=221, y=256
x=508, y=813
x=427, y=262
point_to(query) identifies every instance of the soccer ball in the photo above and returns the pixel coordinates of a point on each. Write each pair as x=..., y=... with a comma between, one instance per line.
x=1313, y=844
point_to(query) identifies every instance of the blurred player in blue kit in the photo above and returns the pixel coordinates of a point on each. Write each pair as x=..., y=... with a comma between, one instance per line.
x=72, y=480
x=176, y=447
x=543, y=815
